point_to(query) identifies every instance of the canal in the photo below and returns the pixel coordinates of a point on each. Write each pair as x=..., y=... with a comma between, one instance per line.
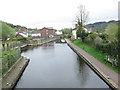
x=55, y=65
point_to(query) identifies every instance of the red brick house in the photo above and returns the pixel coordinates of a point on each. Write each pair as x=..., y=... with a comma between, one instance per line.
x=47, y=32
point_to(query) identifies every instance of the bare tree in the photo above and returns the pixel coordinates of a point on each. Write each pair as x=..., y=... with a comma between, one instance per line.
x=81, y=19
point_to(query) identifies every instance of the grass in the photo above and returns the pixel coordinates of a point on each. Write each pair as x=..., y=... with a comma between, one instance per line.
x=96, y=54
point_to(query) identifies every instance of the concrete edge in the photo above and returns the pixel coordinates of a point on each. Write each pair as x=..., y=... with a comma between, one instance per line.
x=95, y=69
x=20, y=74
x=13, y=84
x=13, y=66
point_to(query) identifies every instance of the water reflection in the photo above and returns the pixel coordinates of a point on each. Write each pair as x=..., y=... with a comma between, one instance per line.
x=28, y=48
x=48, y=45
x=44, y=46
x=82, y=71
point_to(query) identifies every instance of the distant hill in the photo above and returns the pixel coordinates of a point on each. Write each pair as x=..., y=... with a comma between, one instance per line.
x=6, y=31
x=16, y=27
x=100, y=26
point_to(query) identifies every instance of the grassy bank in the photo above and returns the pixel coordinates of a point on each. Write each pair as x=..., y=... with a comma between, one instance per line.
x=96, y=54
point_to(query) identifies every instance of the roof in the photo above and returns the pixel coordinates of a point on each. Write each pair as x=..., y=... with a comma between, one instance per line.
x=49, y=28
x=22, y=34
x=33, y=32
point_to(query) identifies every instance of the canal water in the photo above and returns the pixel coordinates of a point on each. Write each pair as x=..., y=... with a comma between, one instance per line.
x=55, y=65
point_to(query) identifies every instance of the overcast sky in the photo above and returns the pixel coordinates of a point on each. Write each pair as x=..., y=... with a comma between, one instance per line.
x=55, y=13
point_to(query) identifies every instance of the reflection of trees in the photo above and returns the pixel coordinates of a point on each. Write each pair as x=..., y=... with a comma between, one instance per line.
x=83, y=73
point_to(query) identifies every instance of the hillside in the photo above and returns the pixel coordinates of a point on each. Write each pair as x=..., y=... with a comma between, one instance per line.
x=6, y=31
x=100, y=26
x=16, y=27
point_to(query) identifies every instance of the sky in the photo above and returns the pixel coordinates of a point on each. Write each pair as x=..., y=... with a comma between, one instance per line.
x=55, y=13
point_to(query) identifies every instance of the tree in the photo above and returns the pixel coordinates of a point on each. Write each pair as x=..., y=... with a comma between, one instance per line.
x=112, y=32
x=81, y=19
x=66, y=31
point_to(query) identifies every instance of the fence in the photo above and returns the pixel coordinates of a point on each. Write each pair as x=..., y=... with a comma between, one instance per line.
x=7, y=45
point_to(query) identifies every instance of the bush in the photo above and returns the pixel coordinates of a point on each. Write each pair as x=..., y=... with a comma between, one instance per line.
x=29, y=35
x=14, y=39
x=9, y=58
x=72, y=38
x=22, y=39
x=109, y=48
x=68, y=36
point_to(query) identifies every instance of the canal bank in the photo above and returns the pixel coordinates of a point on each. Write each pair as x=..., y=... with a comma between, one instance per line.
x=109, y=76
x=37, y=44
x=10, y=78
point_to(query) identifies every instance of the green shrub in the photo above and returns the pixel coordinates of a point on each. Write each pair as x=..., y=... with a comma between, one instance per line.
x=72, y=38
x=29, y=35
x=109, y=48
x=9, y=58
x=14, y=39
x=22, y=39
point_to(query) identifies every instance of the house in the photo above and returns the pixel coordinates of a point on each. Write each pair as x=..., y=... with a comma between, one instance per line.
x=58, y=32
x=22, y=33
x=47, y=32
x=74, y=32
x=19, y=35
x=34, y=33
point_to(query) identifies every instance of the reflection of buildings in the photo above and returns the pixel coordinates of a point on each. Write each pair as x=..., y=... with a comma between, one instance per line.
x=48, y=46
x=47, y=32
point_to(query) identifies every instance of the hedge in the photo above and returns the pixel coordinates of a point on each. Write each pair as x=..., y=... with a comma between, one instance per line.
x=109, y=48
x=9, y=58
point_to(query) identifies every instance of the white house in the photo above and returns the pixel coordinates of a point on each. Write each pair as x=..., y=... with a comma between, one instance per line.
x=74, y=33
x=59, y=32
x=34, y=33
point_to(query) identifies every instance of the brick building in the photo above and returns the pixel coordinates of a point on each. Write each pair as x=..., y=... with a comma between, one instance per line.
x=47, y=32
